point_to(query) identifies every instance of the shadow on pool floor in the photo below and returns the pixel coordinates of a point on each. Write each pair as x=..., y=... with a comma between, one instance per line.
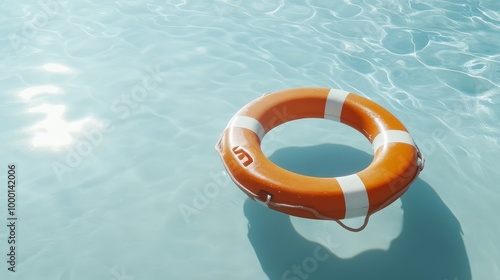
x=430, y=245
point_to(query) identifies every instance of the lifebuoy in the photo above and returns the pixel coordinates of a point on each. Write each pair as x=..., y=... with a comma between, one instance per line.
x=397, y=160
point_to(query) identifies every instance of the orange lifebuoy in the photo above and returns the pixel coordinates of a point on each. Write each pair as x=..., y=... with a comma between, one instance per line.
x=397, y=160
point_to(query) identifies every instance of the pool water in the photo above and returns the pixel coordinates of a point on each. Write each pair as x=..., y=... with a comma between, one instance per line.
x=111, y=110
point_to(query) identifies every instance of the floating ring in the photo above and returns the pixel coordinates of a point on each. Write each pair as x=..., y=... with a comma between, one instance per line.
x=396, y=163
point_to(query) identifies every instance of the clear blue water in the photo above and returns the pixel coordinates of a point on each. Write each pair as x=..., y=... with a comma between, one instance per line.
x=111, y=111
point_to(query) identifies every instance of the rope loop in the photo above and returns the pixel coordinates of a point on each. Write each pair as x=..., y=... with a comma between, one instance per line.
x=268, y=202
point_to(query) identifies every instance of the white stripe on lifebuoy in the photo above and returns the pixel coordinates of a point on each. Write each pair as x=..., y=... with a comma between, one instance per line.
x=248, y=123
x=392, y=136
x=334, y=104
x=355, y=196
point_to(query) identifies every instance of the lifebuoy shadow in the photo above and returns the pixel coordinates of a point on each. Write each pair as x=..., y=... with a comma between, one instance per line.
x=430, y=245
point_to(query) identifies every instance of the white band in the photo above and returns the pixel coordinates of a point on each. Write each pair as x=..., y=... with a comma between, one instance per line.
x=355, y=196
x=334, y=103
x=391, y=136
x=248, y=123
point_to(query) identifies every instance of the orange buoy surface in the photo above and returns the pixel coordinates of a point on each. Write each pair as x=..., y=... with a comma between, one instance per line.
x=396, y=163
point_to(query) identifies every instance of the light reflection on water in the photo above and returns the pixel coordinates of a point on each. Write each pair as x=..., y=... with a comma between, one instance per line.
x=53, y=131
x=57, y=68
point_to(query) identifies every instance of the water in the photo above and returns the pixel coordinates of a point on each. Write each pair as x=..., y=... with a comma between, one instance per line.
x=111, y=111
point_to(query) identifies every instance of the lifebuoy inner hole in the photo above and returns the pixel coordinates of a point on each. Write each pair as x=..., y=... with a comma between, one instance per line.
x=317, y=147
